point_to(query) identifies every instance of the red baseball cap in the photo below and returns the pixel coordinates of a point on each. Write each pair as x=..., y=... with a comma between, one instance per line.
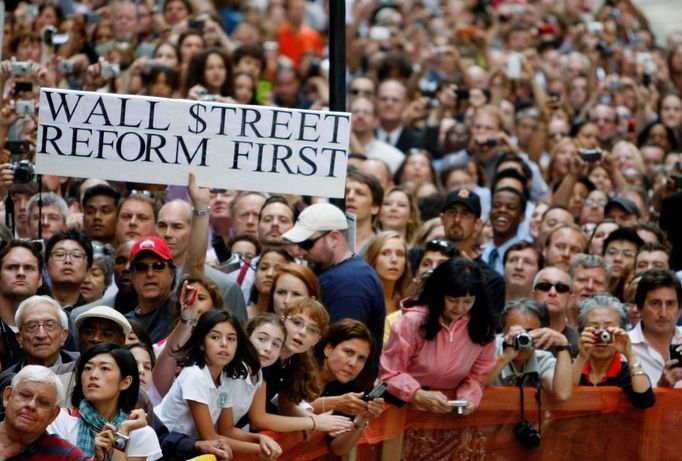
x=151, y=244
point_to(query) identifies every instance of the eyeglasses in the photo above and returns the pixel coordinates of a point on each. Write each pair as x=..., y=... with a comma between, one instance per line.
x=309, y=243
x=438, y=245
x=26, y=397
x=50, y=326
x=157, y=266
x=545, y=287
x=300, y=324
x=615, y=252
x=62, y=255
x=144, y=193
x=357, y=91
x=51, y=217
x=597, y=203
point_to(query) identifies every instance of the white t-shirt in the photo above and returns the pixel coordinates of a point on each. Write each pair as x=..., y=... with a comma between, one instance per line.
x=194, y=384
x=143, y=442
x=242, y=392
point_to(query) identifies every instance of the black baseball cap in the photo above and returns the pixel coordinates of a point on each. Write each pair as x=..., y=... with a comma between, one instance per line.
x=467, y=198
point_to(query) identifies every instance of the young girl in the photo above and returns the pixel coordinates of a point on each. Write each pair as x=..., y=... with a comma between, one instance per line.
x=200, y=401
x=290, y=370
x=271, y=259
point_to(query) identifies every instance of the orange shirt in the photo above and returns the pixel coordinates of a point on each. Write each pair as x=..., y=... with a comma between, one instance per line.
x=294, y=46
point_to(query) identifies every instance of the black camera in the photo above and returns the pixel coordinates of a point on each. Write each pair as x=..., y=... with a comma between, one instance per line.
x=489, y=142
x=52, y=37
x=523, y=342
x=604, y=48
x=591, y=155
x=23, y=171
x=527, y=434
x=429, y=88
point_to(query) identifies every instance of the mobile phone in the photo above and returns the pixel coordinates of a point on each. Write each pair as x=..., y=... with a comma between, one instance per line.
x=20, y=87
x=375, y=393
x=195, y=23
x=379, y=33
x=263, y=89
x=462, y=93
x=674, y=354
x=92, y=18
x=26, y=106
x=513, y=70
x=190, y=296
x=591, y=155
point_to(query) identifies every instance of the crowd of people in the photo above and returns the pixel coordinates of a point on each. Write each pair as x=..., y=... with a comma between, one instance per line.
x=513, y=171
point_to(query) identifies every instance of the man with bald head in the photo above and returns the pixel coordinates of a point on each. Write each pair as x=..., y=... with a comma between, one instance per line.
x=174, y=225
x=552, y=287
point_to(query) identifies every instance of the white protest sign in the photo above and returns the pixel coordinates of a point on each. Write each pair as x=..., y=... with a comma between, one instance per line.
x=158, y=140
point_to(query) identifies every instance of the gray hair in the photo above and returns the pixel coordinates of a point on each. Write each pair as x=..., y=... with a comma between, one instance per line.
x=106, y=264
x=48, y=198
x=588, y=261
x=39, y=374
x=526, y=306
x=36, y=300
x=602, y=300
x=538, y=276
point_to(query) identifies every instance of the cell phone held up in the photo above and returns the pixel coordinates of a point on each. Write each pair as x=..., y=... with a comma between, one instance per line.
x=190, y=296
x=591, y=155
x=675, y=354
x=375, y=393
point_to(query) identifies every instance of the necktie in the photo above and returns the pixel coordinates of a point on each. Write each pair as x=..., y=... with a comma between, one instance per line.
x=493, y=257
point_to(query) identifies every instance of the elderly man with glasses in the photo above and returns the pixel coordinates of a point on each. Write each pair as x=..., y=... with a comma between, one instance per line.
x=31, y=404
x=43, y=330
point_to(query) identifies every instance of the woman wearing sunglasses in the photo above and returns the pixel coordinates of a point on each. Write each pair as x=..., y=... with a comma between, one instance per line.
x=522, y=358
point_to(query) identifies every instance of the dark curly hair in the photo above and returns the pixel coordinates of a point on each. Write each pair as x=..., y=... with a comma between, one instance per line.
x=457, y=277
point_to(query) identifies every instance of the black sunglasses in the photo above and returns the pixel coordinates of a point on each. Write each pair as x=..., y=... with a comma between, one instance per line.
x=157, y=266
x=309, y=243
x=546, y=286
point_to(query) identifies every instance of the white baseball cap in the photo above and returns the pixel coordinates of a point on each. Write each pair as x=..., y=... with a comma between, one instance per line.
x=319, y=217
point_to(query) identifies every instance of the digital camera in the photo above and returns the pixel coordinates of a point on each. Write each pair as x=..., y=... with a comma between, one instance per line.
x=523, y=342
x=120, y=441
x=602, y=337
x=527, y=434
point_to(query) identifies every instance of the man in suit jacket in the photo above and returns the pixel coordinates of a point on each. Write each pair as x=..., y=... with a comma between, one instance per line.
x=392, y=102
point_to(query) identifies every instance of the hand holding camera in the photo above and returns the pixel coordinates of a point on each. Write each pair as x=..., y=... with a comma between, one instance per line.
x=545, y=338
x=433, y=401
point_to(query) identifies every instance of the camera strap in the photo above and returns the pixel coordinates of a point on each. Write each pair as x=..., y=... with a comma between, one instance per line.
x=535, y=380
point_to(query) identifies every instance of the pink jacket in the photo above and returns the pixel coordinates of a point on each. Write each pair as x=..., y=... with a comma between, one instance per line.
x=449, y=361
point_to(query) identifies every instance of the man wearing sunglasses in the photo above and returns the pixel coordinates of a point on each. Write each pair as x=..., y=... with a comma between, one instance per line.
x=153, y=274
x=350, y=287
x=552, y=287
